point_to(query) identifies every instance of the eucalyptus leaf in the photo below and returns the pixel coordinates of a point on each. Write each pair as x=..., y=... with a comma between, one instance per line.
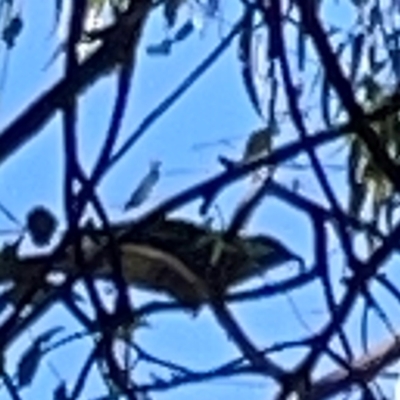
x=9, y=215
x=301, y=47
x=170, y=10
x=326, y=101
x=184, y=31
x=30, y=360
x=326, y=94
x=372, y=55
x=58, y=11
x=372, y=88
x=357, y=197
x=212, y=7
x=144, y=188
x=394, y=55
x=375, y=18
x=357, y=45
x=28, y=365
x=160, y=49
x=12, y=30
x=245, y=53
x=389, y=213
x=48, y=335
x=357, y=190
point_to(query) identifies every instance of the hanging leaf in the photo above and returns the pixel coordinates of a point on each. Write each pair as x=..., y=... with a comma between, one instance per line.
x=357, y=43
x=46, y=336
x=382, y=190
x=372, y=88
x=396, y=137
x=301, y=47
x=372, y=57
x=394, y=55
x=375, y=18
x=245, y=50
x=160, y=49
x=372, y=240
x=41, y=225
x=326, y=91
x=357, y=190
x=12, y=30
x=171, y=8
x=390, y=209
x=143, y=190
x=30, y=360
x=9, y=215
x=391, y=43
x=58, y=12
x=357, y=197
x=28, y=365
x=212, y=7
x=326, y=101
x=184, y=31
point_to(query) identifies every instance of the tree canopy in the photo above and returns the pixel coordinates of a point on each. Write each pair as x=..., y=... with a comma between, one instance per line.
x=321, y=79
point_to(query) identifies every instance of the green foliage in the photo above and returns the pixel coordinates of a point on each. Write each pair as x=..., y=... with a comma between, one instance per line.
x=366, y=180
x=370, y=56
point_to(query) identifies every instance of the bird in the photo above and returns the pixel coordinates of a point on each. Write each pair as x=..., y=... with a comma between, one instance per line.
x=258, y=144
x=146, y=185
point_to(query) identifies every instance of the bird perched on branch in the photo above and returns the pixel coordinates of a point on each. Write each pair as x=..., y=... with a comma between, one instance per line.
x=146, y=185
x=258, y=145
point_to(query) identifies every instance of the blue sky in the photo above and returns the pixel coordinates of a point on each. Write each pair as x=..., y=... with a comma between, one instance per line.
x=215, y=108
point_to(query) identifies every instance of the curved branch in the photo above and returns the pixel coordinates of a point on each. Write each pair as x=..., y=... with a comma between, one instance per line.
x=364, y=368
